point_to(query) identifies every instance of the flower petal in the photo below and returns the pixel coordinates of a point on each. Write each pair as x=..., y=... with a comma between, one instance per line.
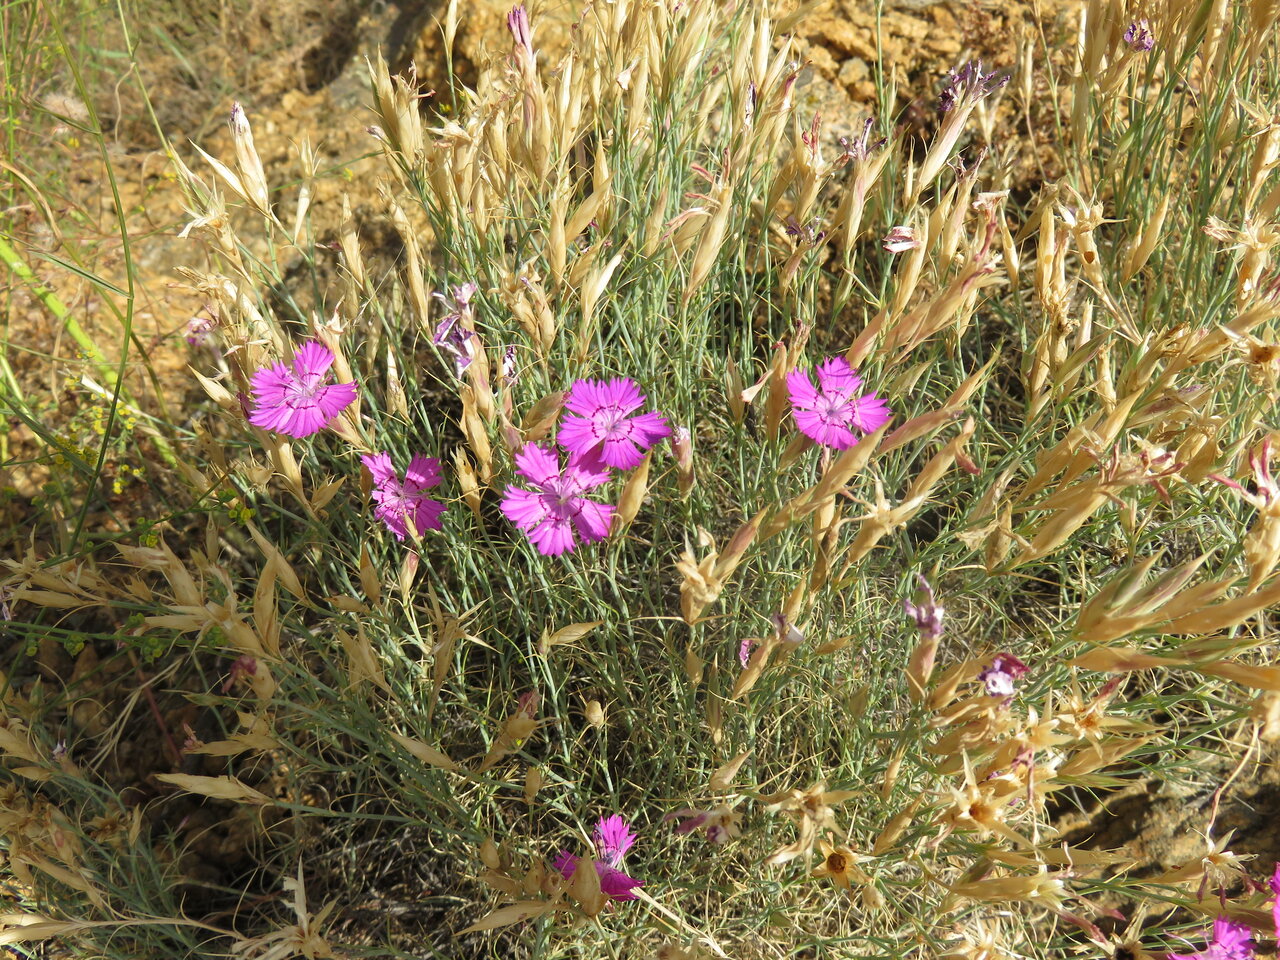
x=537, y=463
x=836, y=376
x=312, y=358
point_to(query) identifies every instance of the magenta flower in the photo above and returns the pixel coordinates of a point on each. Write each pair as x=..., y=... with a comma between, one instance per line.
x=1275, y=907
x=398, y=502
x=837, y=411
x=613, y=838
x=555, y=513
x=605, y=426
x=999, y=678
x=298, y=402
x=1231, y=941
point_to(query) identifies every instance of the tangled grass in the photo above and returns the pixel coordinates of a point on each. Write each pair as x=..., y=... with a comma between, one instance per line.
x=1072, y=498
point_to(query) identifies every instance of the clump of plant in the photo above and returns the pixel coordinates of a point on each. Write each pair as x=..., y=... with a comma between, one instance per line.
x=601, y=552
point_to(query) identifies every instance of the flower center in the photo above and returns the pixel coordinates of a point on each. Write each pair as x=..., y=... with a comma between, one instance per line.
x=837, y=862
x=831, y=407
x=306, y=387
x=610, y=421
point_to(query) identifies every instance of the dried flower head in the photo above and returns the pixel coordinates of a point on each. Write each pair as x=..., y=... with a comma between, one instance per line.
x=719, y=824
x=840, y=864
x=1139, y=37
x=925, y=611
x=455, y=332
x=900, y=239
x=811, y=809
x=969, y=84
x=856, y=149
x=1000, y=677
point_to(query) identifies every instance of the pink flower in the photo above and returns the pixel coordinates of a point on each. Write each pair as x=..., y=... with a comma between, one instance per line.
x=298, y=402
x=837, y=411
x=604, y=425
x=613, y=838
x=555, y=510
x=1275, y=907
x=1000, y=676
x=614, y=884
x=400, y=501
x=1231, y=941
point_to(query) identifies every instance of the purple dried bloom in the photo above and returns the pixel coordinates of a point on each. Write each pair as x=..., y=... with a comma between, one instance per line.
x=1139, y=37
x=454, y=332
x=786, y=630
x=836, y=411
x=1005, y=669
x=510, y=373
x=745, y=649
x=925, y=611
x=721, y=823
x=969, y=85
x=862, y=147
x=198, y=330
x=1231, y=941
x=297, y=401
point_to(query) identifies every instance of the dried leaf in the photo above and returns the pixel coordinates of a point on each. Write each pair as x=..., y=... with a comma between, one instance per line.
x=516, y=912
x=428, y=755
x=220, y=788
x=570, y=634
